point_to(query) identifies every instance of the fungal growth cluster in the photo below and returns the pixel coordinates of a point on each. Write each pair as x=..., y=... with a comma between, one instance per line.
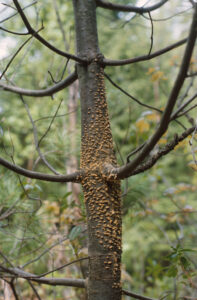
x=102, y=193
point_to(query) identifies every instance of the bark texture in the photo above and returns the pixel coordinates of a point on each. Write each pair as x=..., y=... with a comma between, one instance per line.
x=101, y=193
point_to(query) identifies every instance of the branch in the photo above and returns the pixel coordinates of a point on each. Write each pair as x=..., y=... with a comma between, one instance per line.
x=130, y=96
x=62, y=267
x=180, y=109
x=42, y=40
x=126, y=170
x=13, y=15
x=18, y=273
x=111, y=62
x=12, y=286
x=74, y=177
x=34, y=289
x=41, y=93
x=14, y=32
x=192, y=74
x=136, y=296
x=129, y=8
x=163, y=151
x=16, y=53
x=35, y=134
x=186, y=111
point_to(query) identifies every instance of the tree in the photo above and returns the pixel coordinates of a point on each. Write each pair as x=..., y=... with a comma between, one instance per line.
x=99, y=174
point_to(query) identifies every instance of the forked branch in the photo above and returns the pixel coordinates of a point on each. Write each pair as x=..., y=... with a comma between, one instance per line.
x=163, y=151
x=42, y=40
x=126, y=170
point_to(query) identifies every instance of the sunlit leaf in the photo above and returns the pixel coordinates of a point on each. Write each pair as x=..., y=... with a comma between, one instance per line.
x=142, y=125
x=192, y=165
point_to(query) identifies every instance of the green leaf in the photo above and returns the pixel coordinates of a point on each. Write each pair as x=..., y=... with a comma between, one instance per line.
x=184, y=262
x=67, y=194
x=172, y=271
x=75, y=232
x=1, y=131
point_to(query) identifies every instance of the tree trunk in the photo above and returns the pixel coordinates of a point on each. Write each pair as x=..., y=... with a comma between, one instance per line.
x=102, y=194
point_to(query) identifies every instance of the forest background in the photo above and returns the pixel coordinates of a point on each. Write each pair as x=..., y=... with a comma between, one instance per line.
x=42, y=226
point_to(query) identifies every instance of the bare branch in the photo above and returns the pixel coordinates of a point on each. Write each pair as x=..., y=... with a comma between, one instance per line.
x=130, y=96
x=175, y=114
x=16, y=53
x=129, y=8
x=163, y=151
x=12, y=286
x=170, y=17
x=136, y=296
x=151, y=37
x=18, y=273
x=186, y=111
x=111, y=62
x=14, y=32
x=125, y=171
x=42, y=40
x=62, y=267
x=34, y=289
x=45, y=251
x=35, y=134
x=51, y=122
x=74, y=177
x=41, y=93
x=13, y=15
x=192, y=74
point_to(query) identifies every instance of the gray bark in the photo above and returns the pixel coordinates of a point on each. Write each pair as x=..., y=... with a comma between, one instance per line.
x=102, y=194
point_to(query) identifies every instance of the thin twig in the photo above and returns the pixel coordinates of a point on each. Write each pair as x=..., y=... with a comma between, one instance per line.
x=35, y=133
x=42, y=40
x=12, y=286
x=126, y=170
x=49, y=127
x=34, y=289
x=14, y=32
x=45, y=252
x=122, y=62
x=186, y=111
x=184, y=105
x=13, y=15
x=62, y=267
x=129, y=8
x=16, y=53
x=130, y=96
x=152, y=33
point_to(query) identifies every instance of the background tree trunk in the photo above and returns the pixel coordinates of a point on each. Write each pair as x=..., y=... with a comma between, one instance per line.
x=72, y=163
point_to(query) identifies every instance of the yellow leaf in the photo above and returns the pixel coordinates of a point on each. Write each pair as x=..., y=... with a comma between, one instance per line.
x=192, y=165
x=53, y=207
x=187, y=208
x=162, y=141
x=142, y=125
x=153, y=117
x=150, y=71
x=181, y=144
x=157, y=75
